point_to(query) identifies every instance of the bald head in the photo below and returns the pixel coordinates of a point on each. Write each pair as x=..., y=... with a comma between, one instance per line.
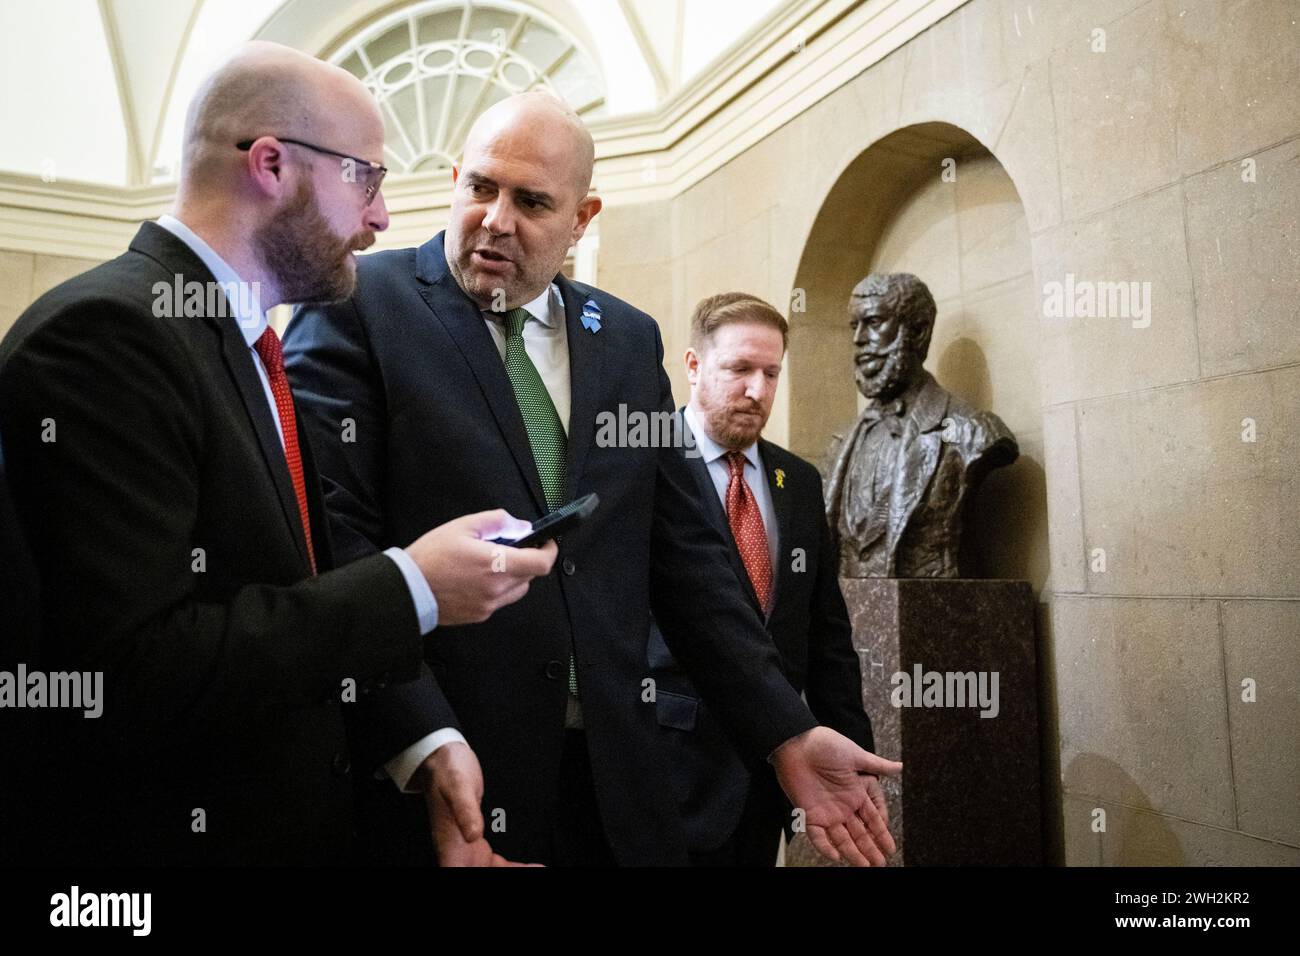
x=543, y=125
x=266, y=89
x=280, y=172
x=522, y=199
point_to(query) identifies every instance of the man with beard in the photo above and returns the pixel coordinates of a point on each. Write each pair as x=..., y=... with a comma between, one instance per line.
x=171, y=502
x=472, y=367
x=767, y=504
x=901, y=482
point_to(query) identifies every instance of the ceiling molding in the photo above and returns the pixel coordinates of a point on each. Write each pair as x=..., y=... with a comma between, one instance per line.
x=662, y=84
x=136, y=173
x=679, y=41
x=144, y=79
x=195, y=9
x=759, y=84
x=713, y=119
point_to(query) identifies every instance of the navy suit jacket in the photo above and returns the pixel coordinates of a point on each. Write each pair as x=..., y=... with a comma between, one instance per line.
x=415, y=423
x=809, y=626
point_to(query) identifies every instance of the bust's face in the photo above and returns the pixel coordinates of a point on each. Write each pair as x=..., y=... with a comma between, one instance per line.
x=884, y=363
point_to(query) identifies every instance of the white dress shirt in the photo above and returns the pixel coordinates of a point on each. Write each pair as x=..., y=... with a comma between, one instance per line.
x=546, y=340
x=715, y=457
x=247, y=312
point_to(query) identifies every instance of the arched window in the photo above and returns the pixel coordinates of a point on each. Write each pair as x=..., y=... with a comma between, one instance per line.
x=435, y=66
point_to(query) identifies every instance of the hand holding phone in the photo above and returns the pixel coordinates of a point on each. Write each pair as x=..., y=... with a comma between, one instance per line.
x=562, y=519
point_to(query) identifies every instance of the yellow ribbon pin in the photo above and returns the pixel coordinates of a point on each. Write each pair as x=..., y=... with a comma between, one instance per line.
x=780, y=477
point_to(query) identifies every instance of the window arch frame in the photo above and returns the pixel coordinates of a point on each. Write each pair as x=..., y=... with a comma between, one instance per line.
x=438, y=134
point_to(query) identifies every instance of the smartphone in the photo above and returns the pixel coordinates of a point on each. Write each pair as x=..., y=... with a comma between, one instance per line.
x=562, y=519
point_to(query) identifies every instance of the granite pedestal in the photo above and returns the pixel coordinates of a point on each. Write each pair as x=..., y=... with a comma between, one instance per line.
x=970, y=791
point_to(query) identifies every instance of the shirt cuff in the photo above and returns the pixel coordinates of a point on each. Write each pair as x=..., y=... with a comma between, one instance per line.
x=402, y=767
x=426, y=605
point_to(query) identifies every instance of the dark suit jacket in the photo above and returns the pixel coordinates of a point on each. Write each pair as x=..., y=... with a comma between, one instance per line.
x=438, y=433
x=20, y=599
x=809, y=626
x=222, y=679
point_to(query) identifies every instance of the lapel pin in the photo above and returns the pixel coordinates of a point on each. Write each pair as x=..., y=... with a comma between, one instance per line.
x=780, y=477
x=591, y=316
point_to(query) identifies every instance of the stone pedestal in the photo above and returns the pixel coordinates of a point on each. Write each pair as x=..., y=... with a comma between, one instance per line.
x=970, y=790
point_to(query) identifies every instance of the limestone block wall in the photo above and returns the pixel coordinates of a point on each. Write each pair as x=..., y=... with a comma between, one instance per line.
x=25, y=276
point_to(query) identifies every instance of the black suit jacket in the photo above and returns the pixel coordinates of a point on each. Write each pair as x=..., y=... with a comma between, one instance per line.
x=20, y=599
x=223, y=667
x=809, y=626
x=437, y=433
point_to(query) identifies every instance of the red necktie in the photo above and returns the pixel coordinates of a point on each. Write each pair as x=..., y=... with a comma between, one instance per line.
x=268, y=347
x=747, y=528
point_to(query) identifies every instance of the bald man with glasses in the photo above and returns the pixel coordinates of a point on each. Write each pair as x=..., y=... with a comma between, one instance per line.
x=170, y=498
x=372, y=173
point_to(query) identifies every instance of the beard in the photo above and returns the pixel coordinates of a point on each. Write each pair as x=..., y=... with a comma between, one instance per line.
x=520, y=282
x=732, y=431
x=307, y=260
x=899, y=371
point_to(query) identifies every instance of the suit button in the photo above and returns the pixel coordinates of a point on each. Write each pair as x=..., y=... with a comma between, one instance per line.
x=341, y=766
x=556, y=669
x=568, y=566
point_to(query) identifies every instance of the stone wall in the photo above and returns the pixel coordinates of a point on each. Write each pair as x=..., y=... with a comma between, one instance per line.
x=1171, y=157
x=25, y=276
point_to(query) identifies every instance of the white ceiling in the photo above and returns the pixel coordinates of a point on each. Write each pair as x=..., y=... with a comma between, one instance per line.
x=95, y=90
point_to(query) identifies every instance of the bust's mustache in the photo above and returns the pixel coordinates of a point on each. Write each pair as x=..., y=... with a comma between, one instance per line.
x=866, y=355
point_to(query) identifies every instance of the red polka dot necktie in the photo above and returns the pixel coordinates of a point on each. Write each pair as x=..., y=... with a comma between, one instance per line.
x=747, y=528
x=268, y=347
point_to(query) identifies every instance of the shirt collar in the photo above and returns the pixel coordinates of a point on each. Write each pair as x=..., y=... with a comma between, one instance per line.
x=710, y=450
x=541, y=308
x=245, y=308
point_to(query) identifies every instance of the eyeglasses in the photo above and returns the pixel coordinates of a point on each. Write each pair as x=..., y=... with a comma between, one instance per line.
x=375, y=174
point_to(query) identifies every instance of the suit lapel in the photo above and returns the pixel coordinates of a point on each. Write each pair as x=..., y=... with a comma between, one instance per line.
x=716, y=512
x=164, y=248
x=239, y=362
x=782, y=504
x=918, y=457
x=463, y=321
x=586, y=361
x=708, y=492
x=322, y=542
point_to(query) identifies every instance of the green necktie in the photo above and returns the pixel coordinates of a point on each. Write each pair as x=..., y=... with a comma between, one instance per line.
x=545, y=432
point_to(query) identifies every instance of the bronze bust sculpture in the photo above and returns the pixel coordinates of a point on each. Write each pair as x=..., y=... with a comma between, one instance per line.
x=904, y=476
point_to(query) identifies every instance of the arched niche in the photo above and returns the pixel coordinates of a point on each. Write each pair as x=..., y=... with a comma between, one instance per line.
x=930, y=199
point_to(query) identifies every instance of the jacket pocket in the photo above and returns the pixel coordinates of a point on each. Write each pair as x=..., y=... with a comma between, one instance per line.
x=676, y=710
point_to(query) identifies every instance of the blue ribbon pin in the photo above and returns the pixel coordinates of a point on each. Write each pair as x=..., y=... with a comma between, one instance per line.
x=591, y=316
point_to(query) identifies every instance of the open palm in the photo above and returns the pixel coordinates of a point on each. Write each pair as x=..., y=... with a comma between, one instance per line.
x=824, y=775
